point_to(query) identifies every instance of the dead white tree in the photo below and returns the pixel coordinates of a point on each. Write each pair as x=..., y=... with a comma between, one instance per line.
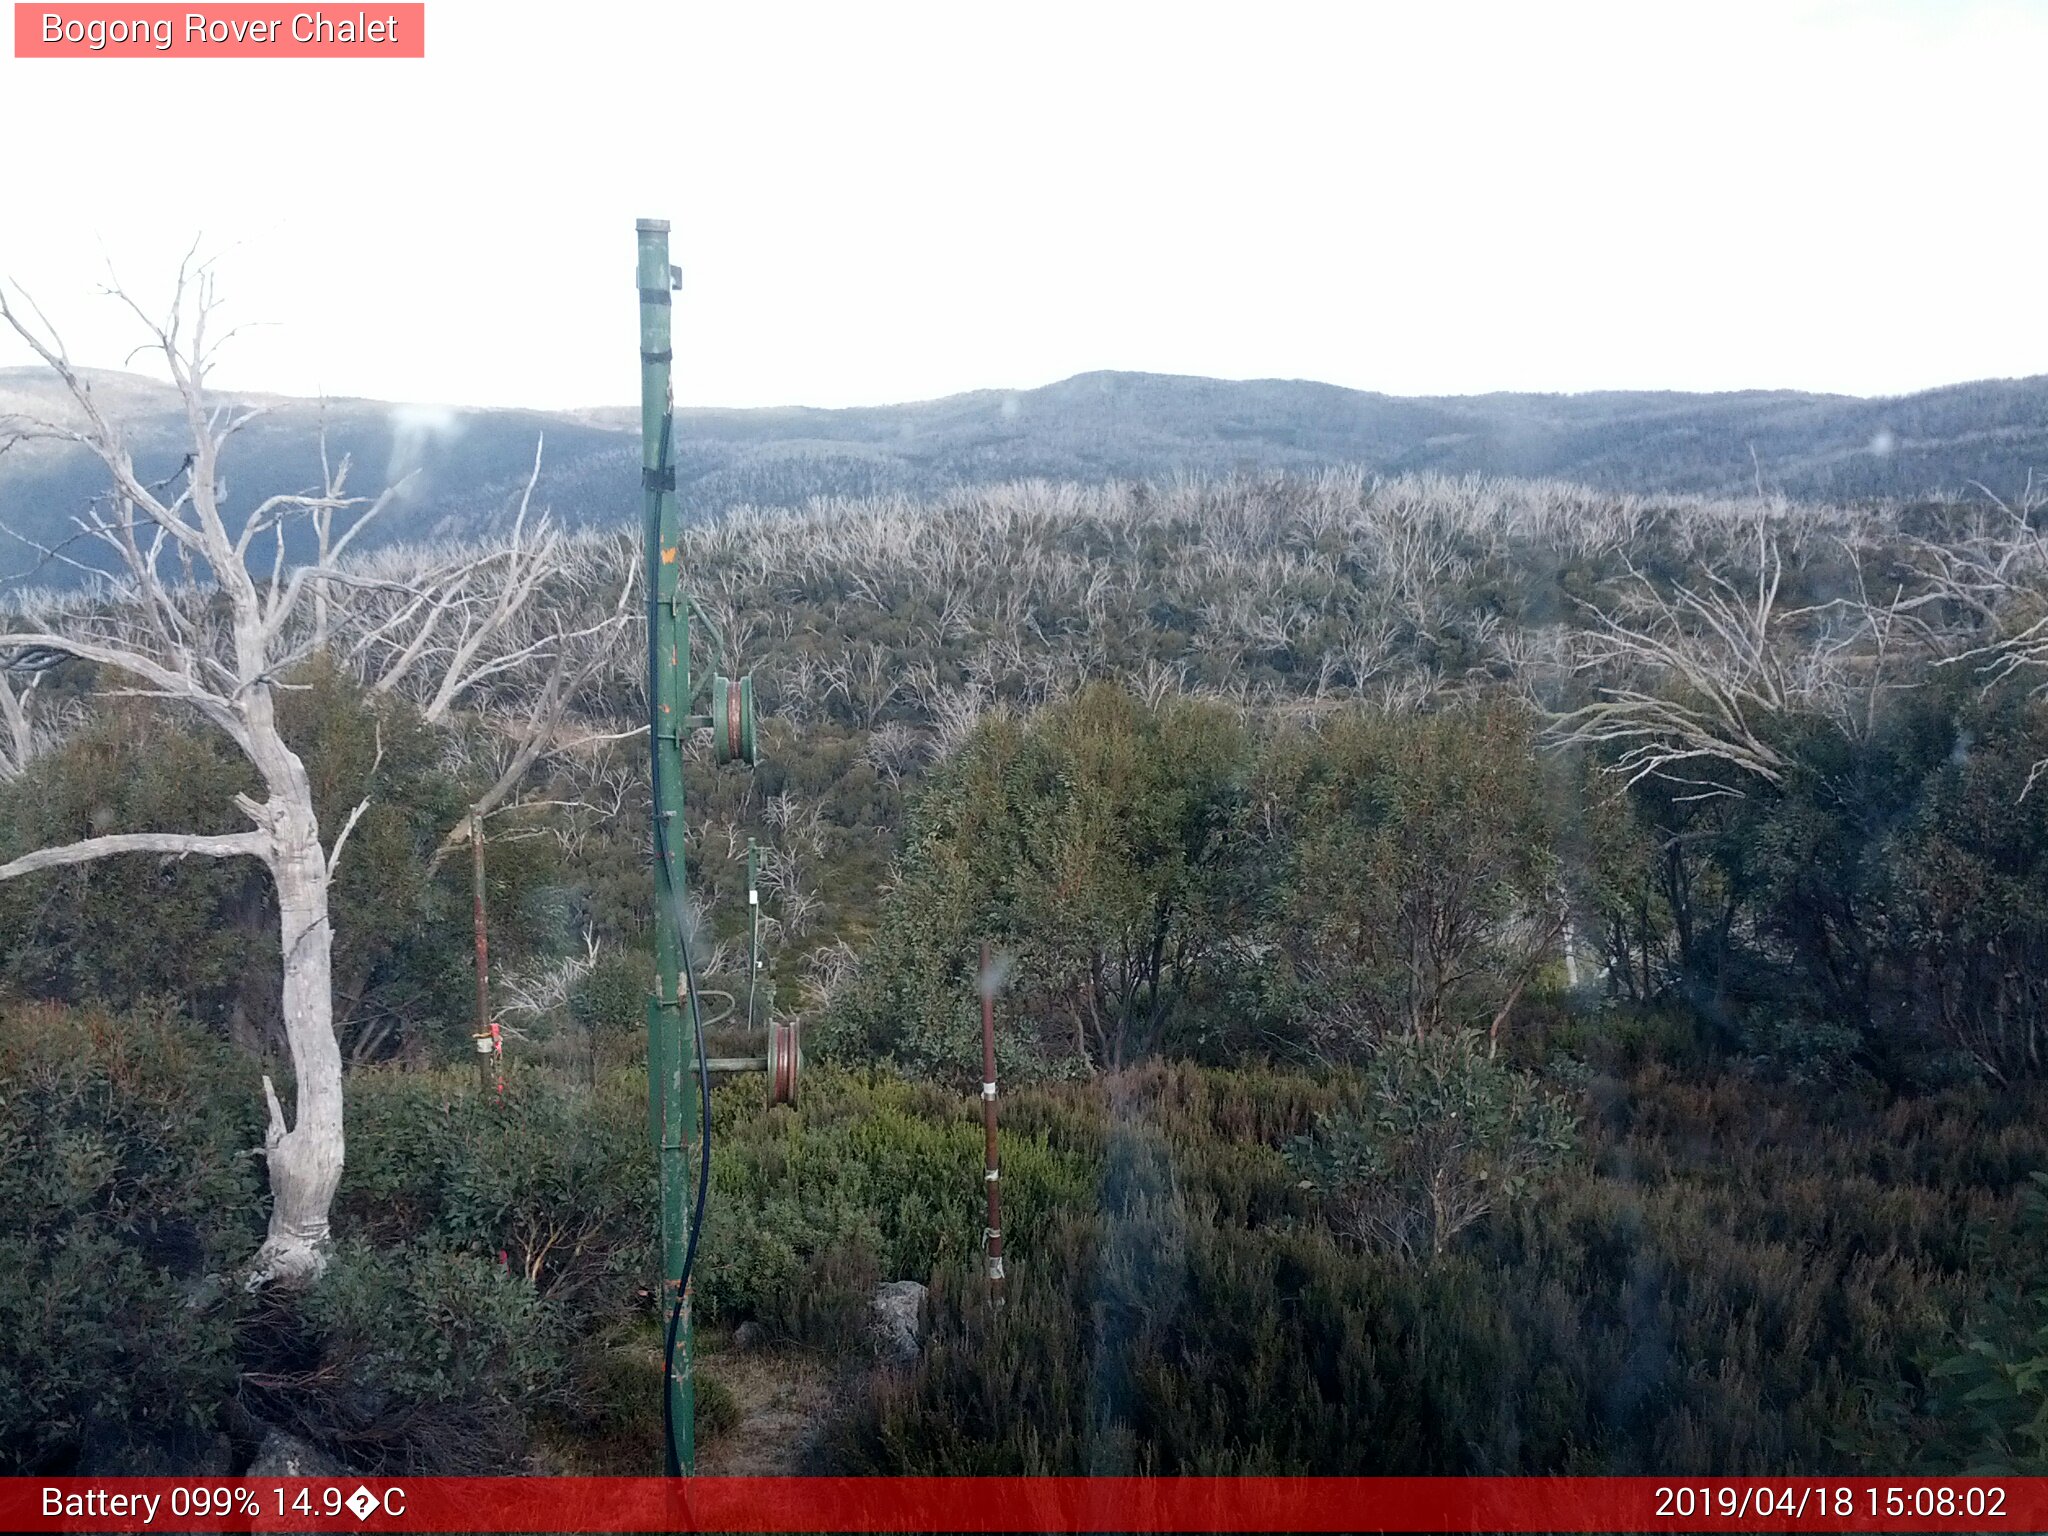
x=867, y=678
x=1691, y=678
x=477, y=616
x=213, y=639
x=574, y=656
x=328, y=546
x=520, y=628
x=896, y=748
x=23, y=738
x=1992, y=579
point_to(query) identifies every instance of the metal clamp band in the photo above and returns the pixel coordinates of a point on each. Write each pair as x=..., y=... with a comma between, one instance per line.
x=658, y=479
x=665, y=355
x=654, y=296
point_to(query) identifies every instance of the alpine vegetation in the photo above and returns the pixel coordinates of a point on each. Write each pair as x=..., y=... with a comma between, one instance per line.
x=1496, y=976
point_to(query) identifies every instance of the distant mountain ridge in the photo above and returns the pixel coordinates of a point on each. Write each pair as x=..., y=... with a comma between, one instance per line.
x=468, y=464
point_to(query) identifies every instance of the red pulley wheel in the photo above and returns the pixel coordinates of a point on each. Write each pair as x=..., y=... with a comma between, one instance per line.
x=785, y=1061
x=732, y=719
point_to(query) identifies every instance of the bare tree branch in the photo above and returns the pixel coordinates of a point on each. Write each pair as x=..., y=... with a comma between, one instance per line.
x=233, y=844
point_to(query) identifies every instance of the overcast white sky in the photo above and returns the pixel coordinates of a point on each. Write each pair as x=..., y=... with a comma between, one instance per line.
x=879, y=202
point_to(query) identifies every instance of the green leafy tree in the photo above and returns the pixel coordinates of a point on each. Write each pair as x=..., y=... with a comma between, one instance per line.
x=1612, y=871
x=1443, y=1135
x=115, y=931
x=1967, y=889
x=1417, y=889
x=1091, y=844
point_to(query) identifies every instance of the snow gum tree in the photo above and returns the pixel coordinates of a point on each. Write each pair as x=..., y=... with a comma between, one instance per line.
x=188, y=617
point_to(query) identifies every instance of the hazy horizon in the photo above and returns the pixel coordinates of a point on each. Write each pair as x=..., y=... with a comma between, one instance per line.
x=32, y=369
x=901, y=204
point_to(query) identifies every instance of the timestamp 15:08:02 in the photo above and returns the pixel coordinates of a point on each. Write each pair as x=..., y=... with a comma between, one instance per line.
x=1831, y=1501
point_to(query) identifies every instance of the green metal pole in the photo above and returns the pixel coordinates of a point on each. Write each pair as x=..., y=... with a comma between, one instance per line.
x=670, y=1045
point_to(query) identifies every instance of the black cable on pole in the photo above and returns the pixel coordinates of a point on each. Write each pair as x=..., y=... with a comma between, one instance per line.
x=674, y=916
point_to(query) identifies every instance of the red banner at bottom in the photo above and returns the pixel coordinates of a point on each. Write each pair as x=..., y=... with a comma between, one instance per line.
x=990, y=1504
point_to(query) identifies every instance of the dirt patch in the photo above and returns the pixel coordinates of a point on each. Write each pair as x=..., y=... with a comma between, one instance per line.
x=784, y=1397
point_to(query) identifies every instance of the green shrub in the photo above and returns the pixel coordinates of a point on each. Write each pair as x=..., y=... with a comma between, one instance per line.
x=614, y=1420
x=559, y=1180
x=871, y=1178
x=125, y=1147
x=717, y=1409
x=1982, y=1395
x=1444, y=1135
x=1991, y=1399
x=413, y=1359
x=1811, y=1052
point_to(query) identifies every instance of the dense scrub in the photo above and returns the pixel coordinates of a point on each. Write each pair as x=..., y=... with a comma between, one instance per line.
x=125, y=1178
x=202, y=930
x=1494, y=979
x=1708, y=1288
x=1723, y=1273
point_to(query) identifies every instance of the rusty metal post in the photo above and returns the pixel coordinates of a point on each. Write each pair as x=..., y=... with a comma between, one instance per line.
x=992, y=1172
x=485, y=1040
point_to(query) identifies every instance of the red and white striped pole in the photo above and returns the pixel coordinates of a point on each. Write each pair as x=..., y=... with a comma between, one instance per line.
x=992, y=1173
x=486, y=1036
x=490, y=1038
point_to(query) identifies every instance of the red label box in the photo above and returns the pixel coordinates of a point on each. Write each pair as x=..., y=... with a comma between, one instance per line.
x=1025, y=1504
x=374, y=30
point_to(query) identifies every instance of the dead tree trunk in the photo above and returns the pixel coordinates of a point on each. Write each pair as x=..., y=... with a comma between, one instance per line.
x=215, y=642
x=306, y=1158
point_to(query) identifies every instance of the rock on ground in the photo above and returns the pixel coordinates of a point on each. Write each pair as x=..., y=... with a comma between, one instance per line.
x=898, y=1323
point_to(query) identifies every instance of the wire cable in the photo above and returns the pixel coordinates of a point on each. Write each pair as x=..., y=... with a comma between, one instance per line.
x=671, y=910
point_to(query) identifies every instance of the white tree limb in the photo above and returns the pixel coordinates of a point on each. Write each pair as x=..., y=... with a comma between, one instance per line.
x=233, y=844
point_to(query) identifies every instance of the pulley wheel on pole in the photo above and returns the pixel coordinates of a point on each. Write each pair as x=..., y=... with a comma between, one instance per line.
x=785, y=1061
x=732, y=719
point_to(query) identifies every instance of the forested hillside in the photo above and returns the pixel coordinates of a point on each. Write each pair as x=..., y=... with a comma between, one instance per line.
x=464, y=465
x=1500, y=977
